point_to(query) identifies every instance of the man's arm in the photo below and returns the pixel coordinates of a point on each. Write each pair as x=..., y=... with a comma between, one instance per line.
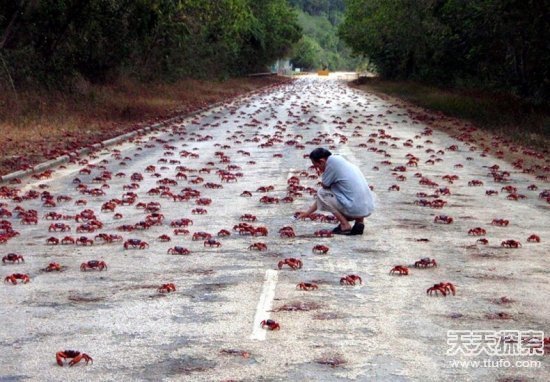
x=329, y=177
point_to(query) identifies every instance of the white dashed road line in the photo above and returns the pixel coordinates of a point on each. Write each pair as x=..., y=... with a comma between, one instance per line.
x=264, y=305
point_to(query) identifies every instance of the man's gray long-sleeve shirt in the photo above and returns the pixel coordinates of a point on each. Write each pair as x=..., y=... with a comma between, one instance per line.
x=348, y=184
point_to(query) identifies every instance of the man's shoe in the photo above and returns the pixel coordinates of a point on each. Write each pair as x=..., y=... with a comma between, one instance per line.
x=345, y=233
x=338, y=231
x=357, y=229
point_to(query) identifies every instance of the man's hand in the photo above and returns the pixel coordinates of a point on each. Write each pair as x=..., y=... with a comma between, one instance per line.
x=305, y=214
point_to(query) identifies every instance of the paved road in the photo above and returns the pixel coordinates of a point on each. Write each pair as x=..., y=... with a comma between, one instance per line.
x=208, y=329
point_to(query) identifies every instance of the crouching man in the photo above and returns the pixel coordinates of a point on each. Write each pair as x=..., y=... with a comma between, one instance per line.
x=345, y=193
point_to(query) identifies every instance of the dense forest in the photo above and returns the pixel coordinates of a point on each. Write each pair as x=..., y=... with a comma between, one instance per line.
x=492, y=44
x=500, y=45
x=52, y=42
x=320, y=45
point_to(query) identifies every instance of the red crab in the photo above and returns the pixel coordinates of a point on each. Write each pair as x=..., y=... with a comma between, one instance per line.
x=265, y=188
x=212, y=185
x=269, y=200
x=500, y=222
x=83, y=240
x=270, y=324
x=478, y=231
x=49, y=203
x=258, y=247
x=482, y=241
x=201, y=236
x=324, y=233
x=320, y=249
x=67, y=240
x=400, y=269
x=29, y=220
x=444, y=288
x=196, y=180
x=228, y=178
x=351, y=280
x=52, y=241
x=287, y=233
x=533, y=239
x=224, y=233
x=135, y=243
x=93, y=264
x=126, y=228
x=75, y=355
x=437, y=203
x=307, y=286
x=425, y=262
x=167, y=288
x=511, y=244
x=509, y=189
x=203, y=201
x=212, y=243
x=108, y=207
x=248, y=218
x=17, y=276
x=4, y=213
x=13, y=258
x=244, y=229
x=154, y=218
x=53, y=267
x=164, y=238
x=515, y=197
x=475, y=183
x=181, y=223
x=291, y=262
x=199, y=211
x=259, y=231
x=108, y=238
x=53, y=216
x=59, y=227
x=178, y=251
x=443, y=219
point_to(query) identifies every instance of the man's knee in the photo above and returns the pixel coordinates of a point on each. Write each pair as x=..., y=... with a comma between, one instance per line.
x=323, y=193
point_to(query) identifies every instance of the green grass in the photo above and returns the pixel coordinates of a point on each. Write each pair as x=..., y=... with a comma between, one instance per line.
x=525, y=124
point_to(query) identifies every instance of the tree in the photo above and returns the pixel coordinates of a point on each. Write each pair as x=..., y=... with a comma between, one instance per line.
x=52, y=41
x=493, y=44
x=270, y=35
x=307, y=54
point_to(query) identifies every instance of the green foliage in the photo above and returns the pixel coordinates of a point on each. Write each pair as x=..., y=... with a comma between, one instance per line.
x=52, y=41
x=319, y=7
x=495, y=44
x=307, y=54
x=271, y=34
x=321, y=47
